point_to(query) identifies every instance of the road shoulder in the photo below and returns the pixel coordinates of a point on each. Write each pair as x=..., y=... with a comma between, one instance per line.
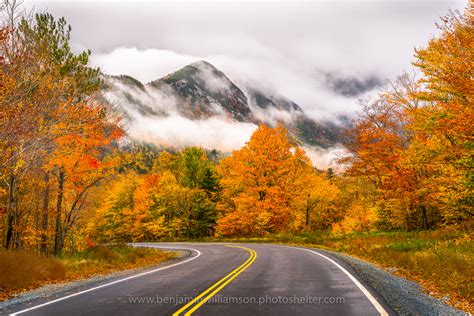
x=403, y=296
x=62, y=289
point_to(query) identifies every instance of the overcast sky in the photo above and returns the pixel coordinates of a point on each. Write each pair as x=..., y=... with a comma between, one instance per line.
x=290, y=48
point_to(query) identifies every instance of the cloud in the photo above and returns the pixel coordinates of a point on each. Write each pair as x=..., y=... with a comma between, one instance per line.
x=352, y=86
x=145, y=65
x=326, y=158
x=285, y=47
x=212, y=133
x=152, y=116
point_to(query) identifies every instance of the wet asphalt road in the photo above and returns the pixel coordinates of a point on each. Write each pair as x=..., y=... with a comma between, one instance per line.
x=275, y=280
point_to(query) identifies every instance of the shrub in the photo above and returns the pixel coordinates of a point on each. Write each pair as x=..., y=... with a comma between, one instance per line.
x=20, y=269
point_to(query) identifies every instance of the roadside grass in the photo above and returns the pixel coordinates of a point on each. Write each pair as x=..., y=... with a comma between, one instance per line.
x=21, y=270
x=442, y=260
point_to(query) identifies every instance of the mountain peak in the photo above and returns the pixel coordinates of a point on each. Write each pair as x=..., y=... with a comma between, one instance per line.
x=204, y=74
x=200, y=91
x=202, y=63
x=207, y=88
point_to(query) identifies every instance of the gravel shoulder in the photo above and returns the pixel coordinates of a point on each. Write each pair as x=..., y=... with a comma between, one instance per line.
x=401, y=295
x=51, y=290
x=405, y=297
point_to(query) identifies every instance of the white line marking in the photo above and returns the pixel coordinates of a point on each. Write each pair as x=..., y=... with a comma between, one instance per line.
x=114, y=282
x=371, y=298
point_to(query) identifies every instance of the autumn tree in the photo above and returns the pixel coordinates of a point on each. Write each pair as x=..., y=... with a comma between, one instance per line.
x=258, y=184
x=315, y=205
x=108, y=214
x=414, y=142
x=378, y=151
x=358, y=203
x=175, y=198
x=53, y=132
x=446, y=125
x=173, y=210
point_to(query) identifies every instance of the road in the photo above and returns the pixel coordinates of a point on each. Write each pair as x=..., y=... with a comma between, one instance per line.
x=226, y=279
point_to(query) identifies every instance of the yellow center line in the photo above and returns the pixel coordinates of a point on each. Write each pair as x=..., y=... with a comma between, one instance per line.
x=219, y=285
x=214, y=285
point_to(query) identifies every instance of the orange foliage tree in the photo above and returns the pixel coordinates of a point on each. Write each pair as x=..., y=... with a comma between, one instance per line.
x=414, y=143
x=446, y=125
x=258, y=184
x=54, y=137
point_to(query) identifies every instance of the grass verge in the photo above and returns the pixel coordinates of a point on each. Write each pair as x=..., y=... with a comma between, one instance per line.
x=442, y=260
x=21, y=270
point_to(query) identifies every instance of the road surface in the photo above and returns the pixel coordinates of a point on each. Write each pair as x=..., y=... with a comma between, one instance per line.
x=224, y=279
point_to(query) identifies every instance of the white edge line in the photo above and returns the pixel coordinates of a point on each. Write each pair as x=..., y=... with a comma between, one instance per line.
x=371, y=298
x=114, y=282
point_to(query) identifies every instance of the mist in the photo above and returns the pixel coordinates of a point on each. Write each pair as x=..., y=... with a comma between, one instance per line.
x=177, y=131
x=322, y=55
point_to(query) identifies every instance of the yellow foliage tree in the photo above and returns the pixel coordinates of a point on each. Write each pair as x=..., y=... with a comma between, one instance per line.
x=316, y=202
x=445, y=127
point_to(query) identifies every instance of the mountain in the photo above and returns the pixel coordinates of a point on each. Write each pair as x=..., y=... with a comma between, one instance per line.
x=200, y=91
x=207, y=91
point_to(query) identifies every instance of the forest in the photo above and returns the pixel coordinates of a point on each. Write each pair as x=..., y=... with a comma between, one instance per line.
x=70, y=179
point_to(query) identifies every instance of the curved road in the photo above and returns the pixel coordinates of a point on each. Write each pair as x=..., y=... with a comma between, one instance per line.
x=226, y=279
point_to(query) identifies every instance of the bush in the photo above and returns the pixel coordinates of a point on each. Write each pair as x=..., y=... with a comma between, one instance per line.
x=20, y=269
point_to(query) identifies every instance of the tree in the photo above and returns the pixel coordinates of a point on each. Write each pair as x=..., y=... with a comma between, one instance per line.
x=195, y=170
x=414, y=143
x=81, y=159
x=51, y=128
x=446, y=125
x=258, y=184
x=110, y=217
x=358, y=203
x=379, y=145
x=316, y=200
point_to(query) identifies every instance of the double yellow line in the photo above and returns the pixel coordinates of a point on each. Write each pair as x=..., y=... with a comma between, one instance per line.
x=202, y=298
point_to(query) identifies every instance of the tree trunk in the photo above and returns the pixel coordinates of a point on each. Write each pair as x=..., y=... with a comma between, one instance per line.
x=307, y=216
x=307, y=211
x=424, y=217
x=58, y=231
x=11, y=214
x=44, y=216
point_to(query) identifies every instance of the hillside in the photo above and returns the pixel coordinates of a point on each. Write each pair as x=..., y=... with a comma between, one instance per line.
x=200, y=91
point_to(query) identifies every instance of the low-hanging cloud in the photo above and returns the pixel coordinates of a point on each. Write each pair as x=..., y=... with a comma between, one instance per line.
x=215, y=133
x=177, y=131
x=326, y=158
x=152, y=116
x=284, y=48
x=165, y=126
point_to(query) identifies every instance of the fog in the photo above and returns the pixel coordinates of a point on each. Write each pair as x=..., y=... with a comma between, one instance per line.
x=323, y=55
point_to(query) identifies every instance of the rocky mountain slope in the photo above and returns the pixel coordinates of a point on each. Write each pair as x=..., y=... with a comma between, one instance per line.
x=200, y=91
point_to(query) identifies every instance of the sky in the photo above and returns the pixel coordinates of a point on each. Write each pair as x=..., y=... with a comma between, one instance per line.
x=323, y=55
x=297, y=49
